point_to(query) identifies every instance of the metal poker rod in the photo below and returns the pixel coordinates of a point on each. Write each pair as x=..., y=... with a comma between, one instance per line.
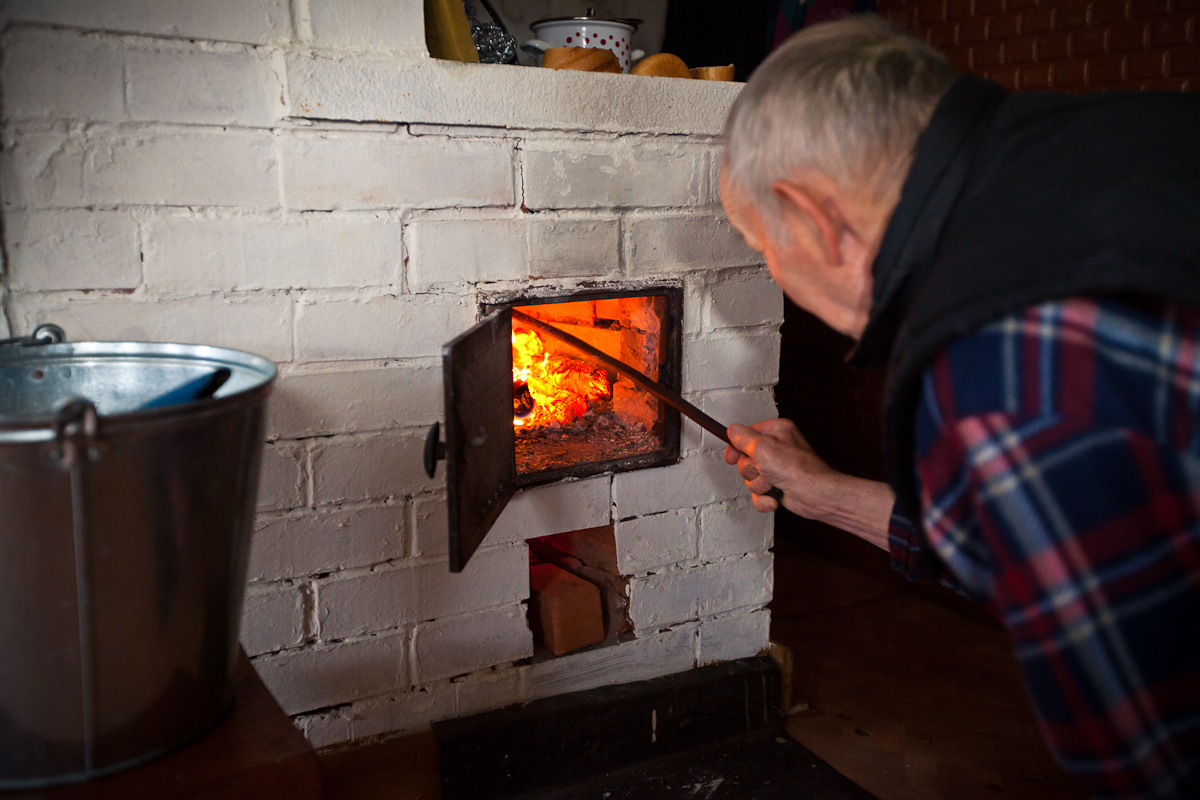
x=668, y=396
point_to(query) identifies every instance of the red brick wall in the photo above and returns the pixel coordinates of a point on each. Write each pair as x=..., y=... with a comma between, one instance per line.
x=1069, y=45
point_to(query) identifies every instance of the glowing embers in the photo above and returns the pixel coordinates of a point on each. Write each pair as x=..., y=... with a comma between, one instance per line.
x=572, y=415
x=551, y=388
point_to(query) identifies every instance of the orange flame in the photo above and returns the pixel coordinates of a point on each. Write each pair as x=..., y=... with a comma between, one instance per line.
x=561, y=386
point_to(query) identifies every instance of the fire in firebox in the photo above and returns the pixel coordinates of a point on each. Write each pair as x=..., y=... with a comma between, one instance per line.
x=552, y=388
x=573, y=415
x=570, y=413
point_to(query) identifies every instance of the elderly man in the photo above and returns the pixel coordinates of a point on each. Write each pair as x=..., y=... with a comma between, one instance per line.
x=1029, y=269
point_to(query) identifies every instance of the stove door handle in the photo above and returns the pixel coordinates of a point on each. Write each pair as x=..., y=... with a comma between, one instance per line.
x=435, y=448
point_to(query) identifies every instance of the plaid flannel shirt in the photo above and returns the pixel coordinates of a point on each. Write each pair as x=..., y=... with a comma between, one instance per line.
x=1058, y=457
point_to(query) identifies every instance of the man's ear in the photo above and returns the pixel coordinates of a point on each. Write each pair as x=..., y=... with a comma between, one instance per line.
x=820, y=208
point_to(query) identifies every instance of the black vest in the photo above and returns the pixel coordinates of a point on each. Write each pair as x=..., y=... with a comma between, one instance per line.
x=1017, y=200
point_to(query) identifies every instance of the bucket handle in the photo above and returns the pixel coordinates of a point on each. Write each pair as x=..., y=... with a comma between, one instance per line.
x=76, y=446
x=46, y=333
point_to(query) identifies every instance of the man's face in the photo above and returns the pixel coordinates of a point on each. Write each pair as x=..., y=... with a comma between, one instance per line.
x=793, y=259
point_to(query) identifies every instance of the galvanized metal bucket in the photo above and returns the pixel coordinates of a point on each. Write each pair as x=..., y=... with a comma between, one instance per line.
x=124, y=537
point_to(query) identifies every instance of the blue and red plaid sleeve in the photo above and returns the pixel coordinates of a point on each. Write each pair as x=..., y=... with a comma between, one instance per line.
x=1058, y=454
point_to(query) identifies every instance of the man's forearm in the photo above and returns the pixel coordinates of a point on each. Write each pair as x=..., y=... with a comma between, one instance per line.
x=860, y=506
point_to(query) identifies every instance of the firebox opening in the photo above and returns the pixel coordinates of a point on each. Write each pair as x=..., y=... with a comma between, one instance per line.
x=577, y=599
x=574, y=417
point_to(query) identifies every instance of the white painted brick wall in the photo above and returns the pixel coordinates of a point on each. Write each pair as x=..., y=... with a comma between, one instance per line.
x=326, y=675
x=401, y=713
x=745, y=406
x=716, y=152
x=260, y=324
x=181, y=168
x=733, y=636
x=325, y=728
x=312, y=542
x=368, y=467
x=374, y=398
x=186, y=254
x=574, y=248
x=645, y=543
x=557, y=508
x=170, y=167
x=230, y=86
x=73, y=250
x=380, y=327
x=563, y=173
x=41, y=169
x=341, y=169
x=666, y=653
x=456, y=645
x=692, y=437
x=486, y=690
x=655, y=243
x=734, y=528
x=367, y=24
x=62, y=75
x=365, y=602
x=500, y=576
x=532, y=513
x=254, y=21
x=174, y=171
x=386, y=597
x=67, y=74
x=726, y=406
x=744, y=299
x=430, y=526
x=661, y=654
x=721, y=362
x=698, y=479
x=445, y=92
x=464, y=252
x=677, y=595
x=695, y=298
x=282, y=482
x=273, y=618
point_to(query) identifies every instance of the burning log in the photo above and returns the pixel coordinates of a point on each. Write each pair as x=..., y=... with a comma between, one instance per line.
x=523, y=401
x=560, y=387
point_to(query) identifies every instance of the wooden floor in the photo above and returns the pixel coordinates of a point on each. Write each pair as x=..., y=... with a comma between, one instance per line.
x=910, y=697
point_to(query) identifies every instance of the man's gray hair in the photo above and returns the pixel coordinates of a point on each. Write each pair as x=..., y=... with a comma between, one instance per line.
x=846, y=98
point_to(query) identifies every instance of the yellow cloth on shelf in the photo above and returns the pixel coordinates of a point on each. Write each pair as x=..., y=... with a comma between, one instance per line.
x=447, y=32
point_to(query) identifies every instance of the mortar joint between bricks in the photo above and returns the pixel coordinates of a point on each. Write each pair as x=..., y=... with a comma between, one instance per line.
x=308, y=594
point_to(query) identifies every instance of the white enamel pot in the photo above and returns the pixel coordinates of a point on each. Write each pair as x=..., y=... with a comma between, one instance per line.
x=586, y=31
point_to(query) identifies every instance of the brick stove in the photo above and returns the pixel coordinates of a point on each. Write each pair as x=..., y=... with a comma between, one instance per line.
x=567, y=415
x=265, y=201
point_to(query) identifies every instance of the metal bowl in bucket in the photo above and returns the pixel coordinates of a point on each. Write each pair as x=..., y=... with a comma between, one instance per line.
x=125, y=517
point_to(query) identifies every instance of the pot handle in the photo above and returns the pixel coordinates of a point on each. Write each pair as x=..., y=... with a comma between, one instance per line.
x=535, y=47
x=636, y=55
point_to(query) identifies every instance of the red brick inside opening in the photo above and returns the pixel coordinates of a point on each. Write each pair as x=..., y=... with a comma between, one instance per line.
x=576, y=597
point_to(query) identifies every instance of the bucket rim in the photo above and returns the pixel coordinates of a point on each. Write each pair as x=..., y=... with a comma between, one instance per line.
x=33, y=427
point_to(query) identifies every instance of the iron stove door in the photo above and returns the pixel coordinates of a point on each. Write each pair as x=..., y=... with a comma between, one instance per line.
x=480, y=463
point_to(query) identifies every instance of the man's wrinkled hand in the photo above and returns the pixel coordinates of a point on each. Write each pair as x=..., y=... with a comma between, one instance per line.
x=774, y=453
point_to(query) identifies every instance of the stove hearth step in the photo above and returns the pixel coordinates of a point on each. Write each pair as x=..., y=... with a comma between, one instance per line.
x=558, y=741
